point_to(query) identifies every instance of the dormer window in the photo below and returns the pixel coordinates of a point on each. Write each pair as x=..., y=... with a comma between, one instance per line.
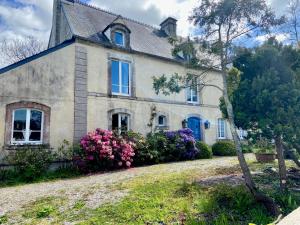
x=119, y=38
x=118, y=33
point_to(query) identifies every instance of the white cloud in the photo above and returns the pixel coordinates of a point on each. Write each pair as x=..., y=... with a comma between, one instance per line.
x=279, y=37
x=31, y=17
x=153, y=12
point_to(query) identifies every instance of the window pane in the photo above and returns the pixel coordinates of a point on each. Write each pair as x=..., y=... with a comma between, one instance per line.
x=161, y=120
x=35, y=120
x=115, y=76
x=20, y=119
x=189, y=95
x=19, y=136
x=119, y=38
x=35, y=136
x=124, y=123
x=194, y=93
x=115, y=122
x=125, y=78
x=221, y=128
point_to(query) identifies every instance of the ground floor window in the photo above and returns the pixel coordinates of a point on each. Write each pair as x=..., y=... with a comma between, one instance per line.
x=162, y=121
x=120, y=122
x=221, y=129
x=27, y=126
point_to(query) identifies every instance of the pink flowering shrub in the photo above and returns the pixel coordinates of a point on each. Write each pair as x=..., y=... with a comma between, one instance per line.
x=104, y=150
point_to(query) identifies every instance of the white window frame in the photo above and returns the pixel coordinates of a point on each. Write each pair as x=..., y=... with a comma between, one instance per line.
x=164, y=121
x=123, y=38
x=120, y=78
x=220, y=135
x=119, y=121
x=189, y=91
x=27, y=129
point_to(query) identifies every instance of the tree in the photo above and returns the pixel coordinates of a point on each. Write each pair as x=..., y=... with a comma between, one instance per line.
x=293, y=20
x=15, y=50
x=267, y=99
x=220, y=24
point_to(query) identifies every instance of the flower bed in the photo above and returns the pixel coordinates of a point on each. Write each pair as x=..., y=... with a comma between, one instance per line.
x=102, y=150
x=105, y=150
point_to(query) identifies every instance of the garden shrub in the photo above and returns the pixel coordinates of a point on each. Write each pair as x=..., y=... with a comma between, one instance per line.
x=180, y=145
x=157, y=142
x=205, y=151
x=246, y=148
x=144, y=155
x=224, y=148
x=31, y=163
x=102, y=150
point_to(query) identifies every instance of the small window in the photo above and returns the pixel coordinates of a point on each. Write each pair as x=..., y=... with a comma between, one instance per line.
x=119, y=38
x=162, y=121
x=192, y=92
x=27, y=126
x=120, y=77
x=221, y=129
x=120, y=123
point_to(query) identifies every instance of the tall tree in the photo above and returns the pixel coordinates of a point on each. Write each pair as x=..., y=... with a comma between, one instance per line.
x=293, y=21
x=17, y=49
x=267, y=99
x=220, y=24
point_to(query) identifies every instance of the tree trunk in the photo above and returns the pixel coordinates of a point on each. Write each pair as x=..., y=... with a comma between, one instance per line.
x=281, y=163
x=260, y=197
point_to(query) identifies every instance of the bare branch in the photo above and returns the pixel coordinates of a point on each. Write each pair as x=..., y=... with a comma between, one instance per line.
x=14, y=50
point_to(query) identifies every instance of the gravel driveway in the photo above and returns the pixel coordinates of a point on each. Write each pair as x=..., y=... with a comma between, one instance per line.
x=95, y=189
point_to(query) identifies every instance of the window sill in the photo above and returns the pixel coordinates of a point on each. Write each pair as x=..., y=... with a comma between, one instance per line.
x=193, y=103
x=223, y=139
x=114, y=95
x=162, y=127
x=25, y=146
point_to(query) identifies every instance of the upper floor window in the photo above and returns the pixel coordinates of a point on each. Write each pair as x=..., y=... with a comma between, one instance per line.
x=192, y=91
x=119, y=38
x=27, y=126
x=120, y=77
x=120, y=122
x=221, y=129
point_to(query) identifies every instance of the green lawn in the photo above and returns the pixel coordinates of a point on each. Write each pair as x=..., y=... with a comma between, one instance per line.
x=157, y=198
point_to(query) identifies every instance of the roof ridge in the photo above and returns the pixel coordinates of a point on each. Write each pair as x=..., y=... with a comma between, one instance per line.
x=114, y=14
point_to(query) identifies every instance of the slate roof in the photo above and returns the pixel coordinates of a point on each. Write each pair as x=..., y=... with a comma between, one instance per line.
x=89, y=22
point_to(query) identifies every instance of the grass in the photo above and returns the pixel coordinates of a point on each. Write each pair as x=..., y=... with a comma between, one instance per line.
x=10, y=178
x=178, y=200
x=164, y=198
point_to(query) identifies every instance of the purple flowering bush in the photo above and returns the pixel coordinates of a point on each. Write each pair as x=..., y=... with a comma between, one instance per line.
x=181, y=145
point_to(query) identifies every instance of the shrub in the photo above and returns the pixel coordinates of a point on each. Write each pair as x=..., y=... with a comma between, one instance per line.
x=157, y=142
x=31, y=163
x=224, y=148
x=205, y=151
x=144, y=155
x=182, y=144
x=102, y=150
x=246, y=148
x=66, y=151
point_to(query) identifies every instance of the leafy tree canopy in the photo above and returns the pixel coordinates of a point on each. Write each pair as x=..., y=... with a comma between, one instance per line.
x=267, y=99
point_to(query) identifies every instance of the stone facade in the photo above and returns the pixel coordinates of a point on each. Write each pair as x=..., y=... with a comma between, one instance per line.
x=71, y=84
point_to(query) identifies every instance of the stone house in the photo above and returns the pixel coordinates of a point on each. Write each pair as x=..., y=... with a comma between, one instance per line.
x=97, y=72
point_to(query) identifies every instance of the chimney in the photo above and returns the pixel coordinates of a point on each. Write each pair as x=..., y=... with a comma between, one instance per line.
x=56, y=22
x=169, y=26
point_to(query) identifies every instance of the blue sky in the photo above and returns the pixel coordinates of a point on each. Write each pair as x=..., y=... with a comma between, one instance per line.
x=19, y=18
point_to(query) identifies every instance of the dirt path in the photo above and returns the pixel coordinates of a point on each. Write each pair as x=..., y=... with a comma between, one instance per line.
x=96, y=188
